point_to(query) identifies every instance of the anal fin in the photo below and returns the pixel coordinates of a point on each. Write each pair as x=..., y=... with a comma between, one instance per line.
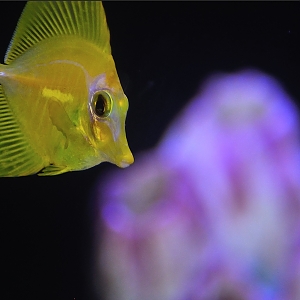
x=17, y=157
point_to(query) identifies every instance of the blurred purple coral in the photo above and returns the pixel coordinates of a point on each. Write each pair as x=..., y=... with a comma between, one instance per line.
x=213, y=211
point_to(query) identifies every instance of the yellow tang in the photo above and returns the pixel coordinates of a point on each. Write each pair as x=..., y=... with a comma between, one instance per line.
x=62, y=107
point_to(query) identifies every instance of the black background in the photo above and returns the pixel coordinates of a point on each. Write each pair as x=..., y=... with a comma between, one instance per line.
x=163, y=51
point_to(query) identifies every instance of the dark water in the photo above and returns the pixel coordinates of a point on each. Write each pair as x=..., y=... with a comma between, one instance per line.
x=163, y=51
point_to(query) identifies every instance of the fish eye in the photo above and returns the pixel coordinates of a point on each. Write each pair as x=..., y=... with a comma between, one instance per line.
x=102, y=104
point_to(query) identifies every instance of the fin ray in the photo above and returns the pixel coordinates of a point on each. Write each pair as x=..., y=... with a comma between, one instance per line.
x=17, y=158
x=52, y=170
x=41, y=20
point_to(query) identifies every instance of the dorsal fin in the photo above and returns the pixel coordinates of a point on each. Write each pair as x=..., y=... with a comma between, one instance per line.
x=45, y=19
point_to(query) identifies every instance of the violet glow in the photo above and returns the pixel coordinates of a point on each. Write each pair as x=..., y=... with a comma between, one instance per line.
x=213, y=211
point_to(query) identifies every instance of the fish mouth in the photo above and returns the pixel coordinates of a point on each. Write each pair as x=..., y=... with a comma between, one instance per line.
x=125, y=161
x=123, y=164
x=122, y=160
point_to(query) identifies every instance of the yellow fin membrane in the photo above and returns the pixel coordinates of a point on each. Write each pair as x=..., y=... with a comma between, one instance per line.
x=41, y=20
x=52, y=170
x=16, y=156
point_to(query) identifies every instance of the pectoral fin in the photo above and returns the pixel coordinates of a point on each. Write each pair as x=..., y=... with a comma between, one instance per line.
x=64, y=125
x=17, y=157
x=60, y=119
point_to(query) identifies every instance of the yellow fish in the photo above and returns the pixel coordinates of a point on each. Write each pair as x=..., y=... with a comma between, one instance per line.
x=62, y=107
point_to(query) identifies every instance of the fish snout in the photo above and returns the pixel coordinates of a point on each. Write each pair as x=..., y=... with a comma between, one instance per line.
x=125, y=159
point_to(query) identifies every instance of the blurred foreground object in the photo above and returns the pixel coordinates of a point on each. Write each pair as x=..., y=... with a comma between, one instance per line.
x=213, y=212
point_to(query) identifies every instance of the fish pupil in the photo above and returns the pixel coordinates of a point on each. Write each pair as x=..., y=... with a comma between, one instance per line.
x=100, y=105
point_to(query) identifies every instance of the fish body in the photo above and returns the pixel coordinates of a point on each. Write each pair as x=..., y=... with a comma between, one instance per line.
x=62, y=107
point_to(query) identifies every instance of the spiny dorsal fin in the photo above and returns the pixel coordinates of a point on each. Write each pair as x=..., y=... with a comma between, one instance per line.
x=45, y=19
x=17, y=158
